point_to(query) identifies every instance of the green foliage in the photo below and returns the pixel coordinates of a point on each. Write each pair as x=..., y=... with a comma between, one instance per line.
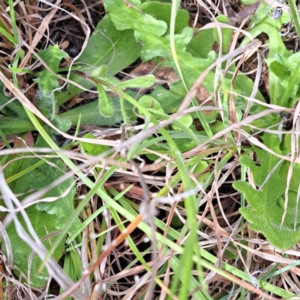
x=149, y=102
x=13, y=119
x=48, y=82
x=142, y=30
x=161, y=11
x=45, y=217
x=105, y=106
x=90, y=113
x=189, y=46
x=248, y=2
x=267, y=198
x=107, y=46
x=186, y=121
x=295, y=15
x=140, y=82
x=226, y=34
x=116, y=43
x=278, y=54
x=268, y=201
x=92, y=149
x=142, y=24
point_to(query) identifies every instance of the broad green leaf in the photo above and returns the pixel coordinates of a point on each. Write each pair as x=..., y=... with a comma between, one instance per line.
x=48, y=81
x=289, y=96
x=226, y=34
x=140, y=82
x=12, y=169
x=45, y=217
x=266, y=201
x=15, y=125
x=160, y=46
x=200, y=169
x=105, y=47
x=52, y=57
x=285, y=72
x=187, y=121
x=92, y=149
x=90, y=114
x=201, y=43
x=98, y=71
x=168, y=100
x=279, y=70
x=191, y=68
x=262, y=23
x=105, y=106
x=133, y=18
x=162, y=11
x=61, y=123
x=147, y=30
x=155, y=44
x=150, y=103
x=14, y=109
x=244, y=85
x=162, y=1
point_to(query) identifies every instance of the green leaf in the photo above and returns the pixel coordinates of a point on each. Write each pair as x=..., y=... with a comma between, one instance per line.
x=52, y=57
x=98, y=71
x=105, y=106
x=14, y=109
x=90, y=114
x=266, y=201
x=15, y=125
x=48, y=81
x=132, y=18
x=226, y=34
x=157, y=44
x=46, y=217
x=92, y=149
x=187, y=121
x=105, y=47
x=264, y=24
x=279, y=70
x=285, y=72
x=200, y=168
x=140, y=82
x=191, y=68
x=7, y=35
x=162, y=11
x=168, y=100
x=149, y=102
x=248, y=2
x=160, y=46
x=201, y=43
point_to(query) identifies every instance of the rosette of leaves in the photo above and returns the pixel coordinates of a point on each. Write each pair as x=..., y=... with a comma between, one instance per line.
x=267, y=200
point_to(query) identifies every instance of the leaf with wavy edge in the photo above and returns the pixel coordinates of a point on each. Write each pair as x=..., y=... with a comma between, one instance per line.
x=267, y=200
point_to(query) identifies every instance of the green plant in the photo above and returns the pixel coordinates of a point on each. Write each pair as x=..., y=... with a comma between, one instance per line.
x=156, y=31
x=274, y=202
x=271, y=212
x=27, y=174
